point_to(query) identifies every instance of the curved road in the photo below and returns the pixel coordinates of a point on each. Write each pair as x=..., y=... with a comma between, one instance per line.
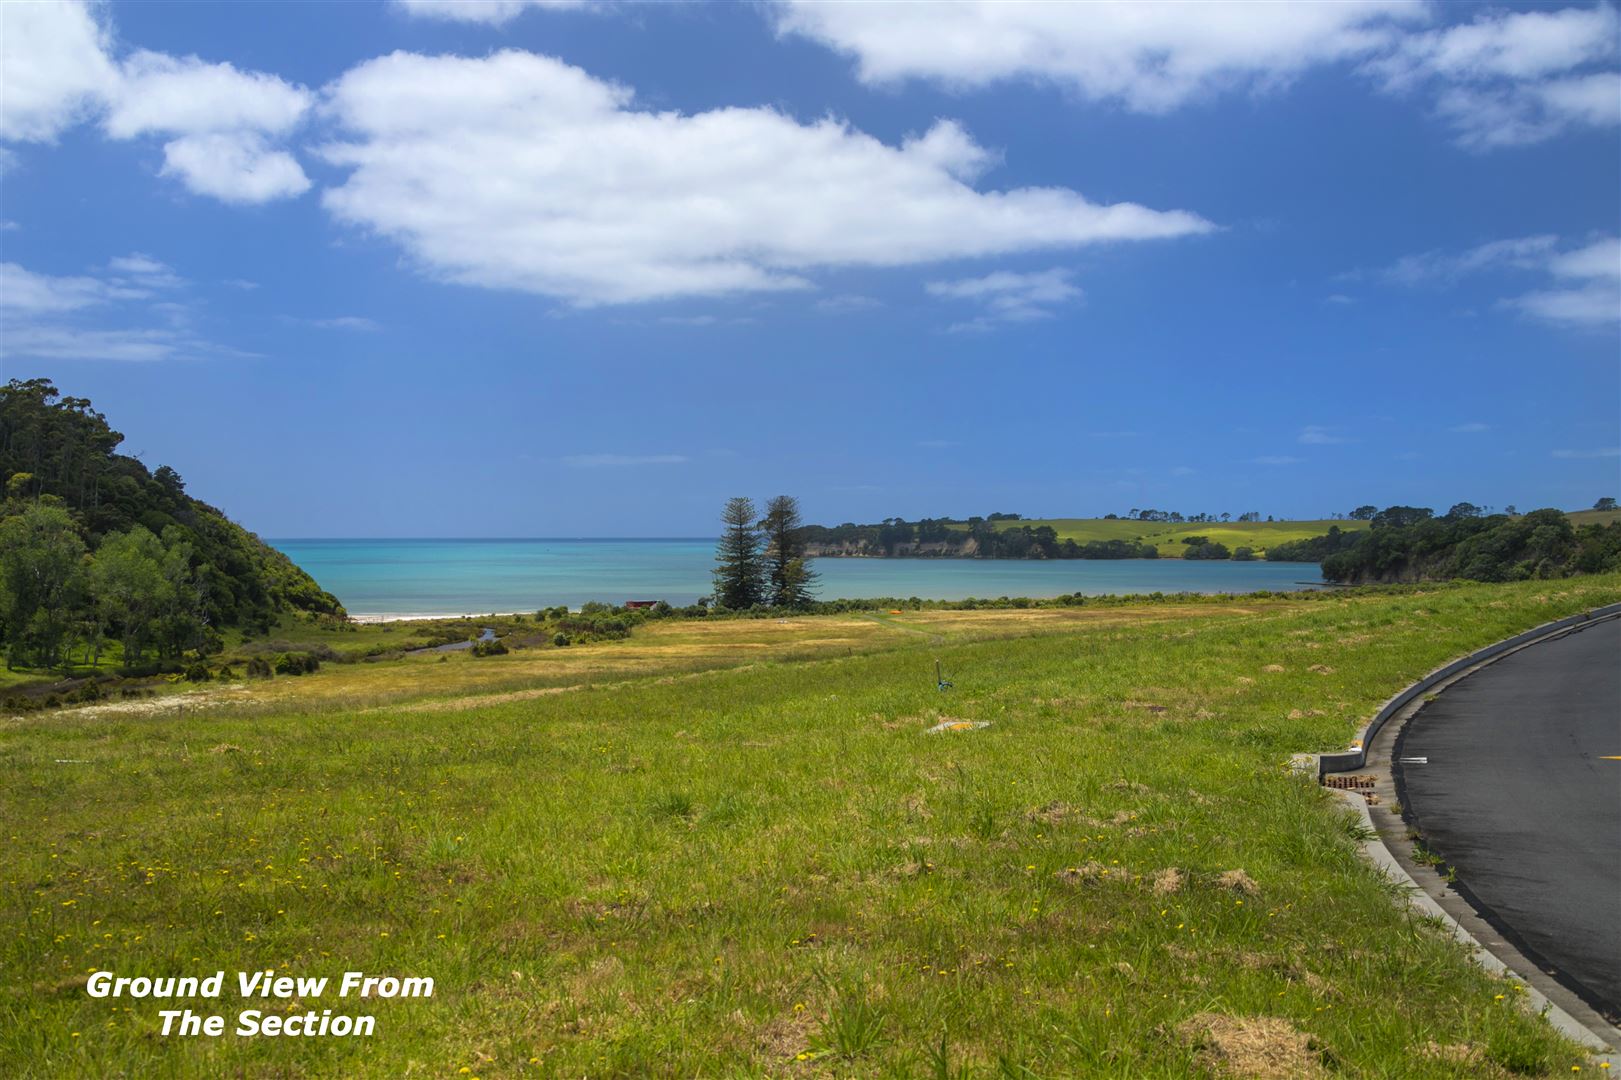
x=1521, y=794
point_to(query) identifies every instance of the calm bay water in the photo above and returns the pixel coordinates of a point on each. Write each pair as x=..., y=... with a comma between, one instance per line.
x=456, y=577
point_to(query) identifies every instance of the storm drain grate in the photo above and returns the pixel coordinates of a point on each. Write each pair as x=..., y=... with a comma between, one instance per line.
x=1361, y=784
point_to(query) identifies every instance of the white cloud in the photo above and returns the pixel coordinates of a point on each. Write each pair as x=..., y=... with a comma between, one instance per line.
x=1600, y=259
x=1471, y=428
x=1592, y=304
x=127, y=313
x=59, y=69
x=1503, y=79
x=54, y=69
x=1514, y=78
x=597, y=461
x=1586, y=281
x=518, y=171
x=23, y=292
x=144, y=272
x=1505, y=45
x=1149, y=57
x=1590, y=289
x=347, y=322
x=1009, y=297
x=1526, y=252
x=239, y=167
x=168, y=95
x=76, y=343
x=491, y=12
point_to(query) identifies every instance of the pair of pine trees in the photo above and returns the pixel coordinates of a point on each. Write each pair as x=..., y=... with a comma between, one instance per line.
x=761, y=560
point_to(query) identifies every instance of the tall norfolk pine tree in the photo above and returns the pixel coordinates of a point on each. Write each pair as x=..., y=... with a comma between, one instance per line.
x=739, y=569
x=788, y=577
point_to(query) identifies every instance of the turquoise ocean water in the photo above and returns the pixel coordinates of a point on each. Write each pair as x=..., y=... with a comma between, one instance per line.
x=459, y=577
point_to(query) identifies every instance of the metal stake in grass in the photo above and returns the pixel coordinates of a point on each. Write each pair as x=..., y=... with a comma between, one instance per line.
x=941, y=683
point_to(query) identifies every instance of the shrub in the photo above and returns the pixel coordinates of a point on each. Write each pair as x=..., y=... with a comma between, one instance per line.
x=296, y=663
x=258, y=668
x=489, y=648
x=560, y=640
x=198, y=672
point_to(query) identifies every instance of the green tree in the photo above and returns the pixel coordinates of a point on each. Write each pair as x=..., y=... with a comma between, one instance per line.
x=789, y=577
x=739, y=567
x=41, y=583
x=1364, y=513
x=1606, y=503
x=131, y=588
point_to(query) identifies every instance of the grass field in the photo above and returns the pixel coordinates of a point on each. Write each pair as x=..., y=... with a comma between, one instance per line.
x=1259, y=535
x=1167, y=536
x=732, y=850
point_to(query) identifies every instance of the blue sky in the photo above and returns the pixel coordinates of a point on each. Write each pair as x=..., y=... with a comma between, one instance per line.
x=518, y=269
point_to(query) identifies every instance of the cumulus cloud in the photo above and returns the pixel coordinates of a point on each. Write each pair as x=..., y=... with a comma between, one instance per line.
x=131, y=310
x=169, y=95
x=518, y=171
x=490, y=12
x=1503, y=79
x=54, y=69
x=59, y=69
x=1513, y=78
x=1149, y=57
x=238, y=167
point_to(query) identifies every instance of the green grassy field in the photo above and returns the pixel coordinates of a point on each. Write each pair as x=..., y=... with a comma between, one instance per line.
x=1167, y=537
x=732, y=850
x=1259, y=535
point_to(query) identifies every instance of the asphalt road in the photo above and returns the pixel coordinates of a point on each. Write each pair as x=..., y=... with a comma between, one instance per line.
x=1518, y=797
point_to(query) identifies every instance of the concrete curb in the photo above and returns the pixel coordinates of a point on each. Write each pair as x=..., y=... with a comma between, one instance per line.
x=1375, y=851
x=1357, y=755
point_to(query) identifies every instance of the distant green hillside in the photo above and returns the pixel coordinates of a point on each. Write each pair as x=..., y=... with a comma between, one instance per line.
x=1167, y=536
x=1579, y=518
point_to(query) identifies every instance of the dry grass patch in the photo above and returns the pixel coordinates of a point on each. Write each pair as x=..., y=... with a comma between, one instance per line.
x=1251, y=1047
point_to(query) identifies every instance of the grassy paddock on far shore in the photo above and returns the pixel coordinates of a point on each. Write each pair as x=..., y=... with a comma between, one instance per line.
x=759, y=863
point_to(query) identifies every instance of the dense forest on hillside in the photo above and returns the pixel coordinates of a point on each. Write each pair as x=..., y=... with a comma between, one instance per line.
x=1409, y=543
x=983, y=538
x=93, y=545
